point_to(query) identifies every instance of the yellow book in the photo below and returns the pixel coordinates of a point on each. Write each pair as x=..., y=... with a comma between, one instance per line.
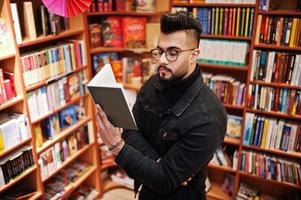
x=1, y=143
x=293, y=33
x=238, y=22
x=216, y=21
x=247, y=24
x=38, y=134
x=264, y=133
x=221, y=16
x=233, y=22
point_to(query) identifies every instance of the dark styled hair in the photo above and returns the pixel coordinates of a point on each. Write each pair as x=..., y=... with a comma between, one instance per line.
x=181, y=20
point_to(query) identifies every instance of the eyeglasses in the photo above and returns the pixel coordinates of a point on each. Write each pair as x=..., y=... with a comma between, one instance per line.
x=170, y=54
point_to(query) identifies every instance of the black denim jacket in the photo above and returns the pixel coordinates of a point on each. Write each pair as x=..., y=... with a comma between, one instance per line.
x=174, y=145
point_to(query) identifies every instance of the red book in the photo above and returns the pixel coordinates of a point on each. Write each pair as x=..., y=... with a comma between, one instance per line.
x=120, y=5
x=226, y=21
x=7, y=89
x=134, y=32
x=2, y=90
x=276, y=99
x=230, y=22
x=11, y=77
x=262, y=29
x=112, y=32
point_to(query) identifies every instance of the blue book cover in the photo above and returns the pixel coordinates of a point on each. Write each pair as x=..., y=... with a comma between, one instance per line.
x=255, y=131
x=248, y=128
x=68, y=117
x=261, y=126
x=251, y=22
x=67, y=58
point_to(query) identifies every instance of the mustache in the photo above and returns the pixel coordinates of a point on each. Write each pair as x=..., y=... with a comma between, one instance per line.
x=163, y=67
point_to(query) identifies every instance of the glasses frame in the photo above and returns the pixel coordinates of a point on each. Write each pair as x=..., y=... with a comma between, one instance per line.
x=178, y=51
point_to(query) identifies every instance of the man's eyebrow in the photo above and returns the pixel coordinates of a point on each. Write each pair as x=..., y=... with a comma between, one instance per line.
x=171, y=47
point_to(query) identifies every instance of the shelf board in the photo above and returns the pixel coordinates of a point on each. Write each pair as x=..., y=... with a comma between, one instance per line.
x=232, y=141
x=106, y=49
x=223, y=67
x=130, y=13
x=12, y=102
x=67, y=162
x=108, y=165
x=45, y=82
x=49, y=38
x=180, y=4
x=18, y=178
x=59, y=109
x=221, y=168
x=280, y=12
x=291, y=154
x=290, y=185
x=275, y=114
x=8, y=56
x=226, y=37
x=78, y=182
x=270, y=46
x=38, y=195
x=278, y=85
x=8, y=151
x=233, y=107
x=216, y=192
x=62, y=135
x=110, y=185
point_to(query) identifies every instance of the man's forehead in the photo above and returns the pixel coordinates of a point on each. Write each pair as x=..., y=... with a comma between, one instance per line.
x=174, y=39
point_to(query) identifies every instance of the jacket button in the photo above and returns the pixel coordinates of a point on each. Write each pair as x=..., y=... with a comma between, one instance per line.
x=164, y=135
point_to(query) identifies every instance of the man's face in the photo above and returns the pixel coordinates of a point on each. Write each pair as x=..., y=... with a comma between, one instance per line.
x=180, y=68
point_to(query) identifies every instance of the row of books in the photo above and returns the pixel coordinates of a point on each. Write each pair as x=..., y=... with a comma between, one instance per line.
x=234, y=126
x=122, y=5
x=55, y=156
x=127, y=32
x=14, y=128
x=224, y=52
x=221, y=158
x=129, y=70
x=270, y=133
x=282, y=100
x=15, y=163
x=270, y=167
x=229, y=90
x=55, y=95
x=218, y=1
x=52, y=126
x=226, y=21
x=84, y=192
x=274, y=5
x=280, y=31
x=53, y=61
x=7, y=86
x=279, y=67
x=5, y=38
x=57, y=186
x=32, y=21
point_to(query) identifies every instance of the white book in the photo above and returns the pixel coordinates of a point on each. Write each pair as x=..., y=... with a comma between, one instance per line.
x=110, y=95
x=279, y=134
x=29, y=22
x=292, y=138
x=16, y=22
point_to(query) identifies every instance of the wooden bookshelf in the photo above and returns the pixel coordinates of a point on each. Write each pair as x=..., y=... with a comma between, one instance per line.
x=224, y=37
x=275, y=114
x=231, y=141
x=71, y=102
x=48, y=38
x=223, y=67
x=110, y=185
x=216, y=193
x=106, y=49
x=233, y=107
x=269, y=181
x=10, y=150
x=108, y=165
x=45, y=82
x=62, y=135
x=180, y=4
x=221, y=168
x=275, y=47
x=38, y=195
x=7, y=56
x=12, y=102
x=292, y=13
x=291, y=154
x=68, y=161
x=277, y=85
x=24, y=174
x=126, y=13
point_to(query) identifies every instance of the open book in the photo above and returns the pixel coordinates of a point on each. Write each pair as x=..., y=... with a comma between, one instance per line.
x=110, y=95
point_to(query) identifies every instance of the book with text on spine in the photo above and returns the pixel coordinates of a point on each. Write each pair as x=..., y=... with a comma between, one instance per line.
x=111, y=96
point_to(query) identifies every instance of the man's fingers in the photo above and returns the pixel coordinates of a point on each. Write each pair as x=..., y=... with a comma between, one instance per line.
x=188, y=179
x=100, y=122
x=184, y=183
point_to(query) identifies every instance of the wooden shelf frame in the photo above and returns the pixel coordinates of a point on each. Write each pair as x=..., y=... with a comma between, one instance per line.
x=225, y=37
x=232, y=141
x=127, y=13
x=62, y=135
x=71, y=102
x=15, y=147
x=110, y=185
x=290, y=154
x=50, y=38
x=12, y=102
x=226, y=169
x=7, y=56
x=275, y=114
x=24, y=174
x=68, y=161
x=179, y=4
x=277, y=85
x=275, y=47
x=223, y=67
x=280, y=12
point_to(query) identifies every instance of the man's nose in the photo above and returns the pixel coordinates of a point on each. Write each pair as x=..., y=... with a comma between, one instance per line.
x=163, y=58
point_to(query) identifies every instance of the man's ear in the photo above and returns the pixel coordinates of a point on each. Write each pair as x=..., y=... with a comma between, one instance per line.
x=195, y=54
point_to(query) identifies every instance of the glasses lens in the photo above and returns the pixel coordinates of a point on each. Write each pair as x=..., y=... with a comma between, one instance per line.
x=156, y=54
x=171, y=55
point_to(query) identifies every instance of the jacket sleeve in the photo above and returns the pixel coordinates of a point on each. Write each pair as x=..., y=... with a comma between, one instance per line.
x=187, y=156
